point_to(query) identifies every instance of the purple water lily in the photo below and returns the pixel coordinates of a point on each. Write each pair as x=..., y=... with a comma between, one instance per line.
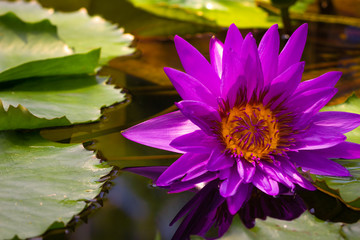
x=247, y=121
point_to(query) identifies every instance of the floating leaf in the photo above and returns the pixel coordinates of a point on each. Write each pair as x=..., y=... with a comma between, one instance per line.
x=141, y=22
x=245, y=14
x=352, y=232
x=305, y=227
x=43, y=182
x=77, y=29
x=63, y=100
x=34, y=49
x=346, y=189
x=92, y=32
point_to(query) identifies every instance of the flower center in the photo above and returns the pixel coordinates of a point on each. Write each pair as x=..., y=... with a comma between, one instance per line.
x=250, y=132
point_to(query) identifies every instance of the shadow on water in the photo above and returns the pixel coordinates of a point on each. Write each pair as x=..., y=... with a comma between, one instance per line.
x=133, y=209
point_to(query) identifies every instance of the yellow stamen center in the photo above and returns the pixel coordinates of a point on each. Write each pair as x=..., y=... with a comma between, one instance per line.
x=250, y=132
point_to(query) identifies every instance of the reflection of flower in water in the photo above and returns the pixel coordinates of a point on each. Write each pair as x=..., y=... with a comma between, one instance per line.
x=207, y=214
x=246, y=120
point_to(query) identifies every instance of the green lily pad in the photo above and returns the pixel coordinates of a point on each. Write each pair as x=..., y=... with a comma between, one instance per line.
x=22, y=42
x=77, y=29
x=352, y=232
x=34, y=49
x=55, y=101
x=245, y=14
x=43, y=182
x=92, y=32
x=304, y=227
x=27, y=11
x=345, y=189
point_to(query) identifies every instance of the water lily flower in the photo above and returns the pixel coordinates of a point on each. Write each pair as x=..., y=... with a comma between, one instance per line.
x=248, y=121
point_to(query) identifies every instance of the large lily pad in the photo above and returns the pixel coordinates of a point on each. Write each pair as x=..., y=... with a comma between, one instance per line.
x=34, y=49
x=55, y=101
x=43, y=182
x=305, y=227
x=345, y=189
x=245, y=14
x=77, y=29
x=92, y=32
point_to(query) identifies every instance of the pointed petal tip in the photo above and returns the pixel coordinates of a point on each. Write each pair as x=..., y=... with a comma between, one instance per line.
x=274, y=27
x=249, y=35
x=179, y=41
x=170, y=71
x=303, y=29
x=336, y=74
x=233, y=25
x=167, y=69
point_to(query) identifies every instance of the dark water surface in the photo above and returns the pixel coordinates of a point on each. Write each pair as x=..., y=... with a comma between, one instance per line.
x=133, y=209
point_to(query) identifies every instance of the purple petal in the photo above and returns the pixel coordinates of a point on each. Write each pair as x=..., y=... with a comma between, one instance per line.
x=252, y=65
x=307, y=104
x=196, y=142
x=318, y=137
x=289, y=169
x=231, y=61
x=233, y=39
x=197, y=172
x=246, y=170
x=177, y=187
x=216, y=54
x=180, y=167
x=318, y=164
x=152, y=172
x=276, y=174
x=190, y=88
x=347, y=150
x=200, y=114
x=342, y=122
x=265, y=184
x=219, y=161
x=232, y=77
x=284, y=85
x=236, y=201
x=160, y=131
x=268, y=52
x=293, y=49
x=326, y=80
x=229, y=186
x=197, y=66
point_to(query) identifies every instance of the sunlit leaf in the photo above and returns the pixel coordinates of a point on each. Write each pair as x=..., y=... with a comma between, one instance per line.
x=63, y=100
x=92, y=32
x=245, y=14
x=34, y=49
x=77, y=29
x=141, y=22
x=43, y=182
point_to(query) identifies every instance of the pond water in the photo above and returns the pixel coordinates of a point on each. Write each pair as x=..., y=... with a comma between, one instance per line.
x=133, y=209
